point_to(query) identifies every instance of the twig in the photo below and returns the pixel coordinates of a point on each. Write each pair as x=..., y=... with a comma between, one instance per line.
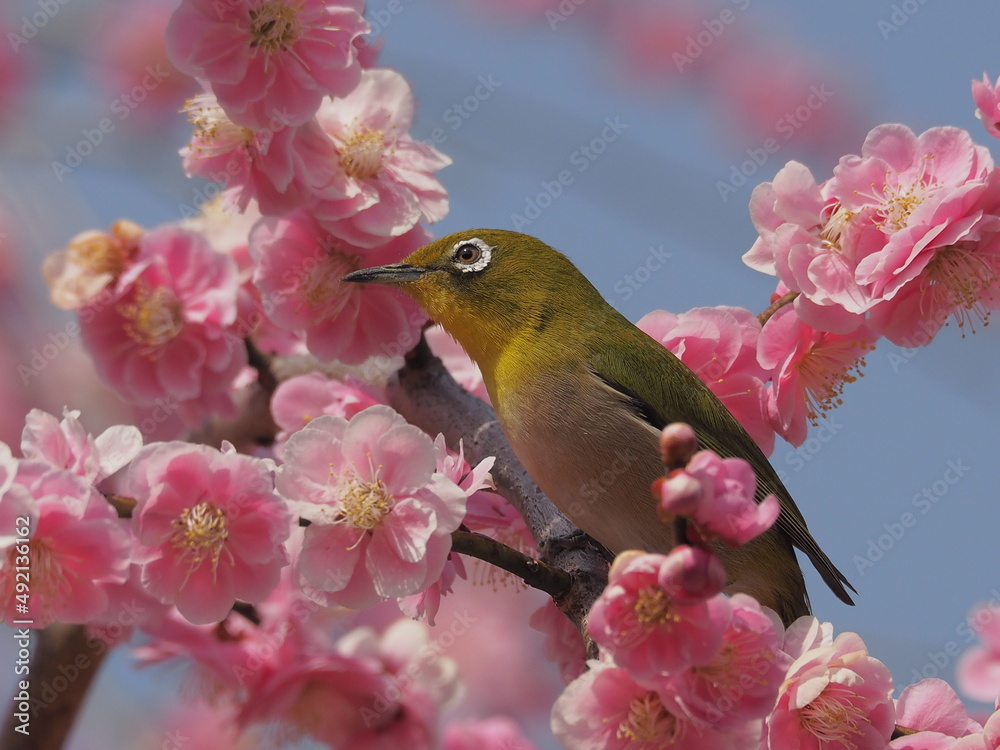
x=535, y=573
x=775, y=306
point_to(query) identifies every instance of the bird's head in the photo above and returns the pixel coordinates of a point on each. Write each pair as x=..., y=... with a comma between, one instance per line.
x=486, y=286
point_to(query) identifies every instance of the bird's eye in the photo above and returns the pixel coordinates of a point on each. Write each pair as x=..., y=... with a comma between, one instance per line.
x=468, y=253
x=471, y=255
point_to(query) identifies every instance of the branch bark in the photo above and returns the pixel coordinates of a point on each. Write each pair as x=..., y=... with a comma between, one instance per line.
x=62, y=668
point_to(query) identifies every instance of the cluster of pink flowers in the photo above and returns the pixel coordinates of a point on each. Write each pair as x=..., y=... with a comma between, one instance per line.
x=307, y=673
x=901, y=238
x=295, y=121
x=62, y=546
x=299, y=130
x=721, y=673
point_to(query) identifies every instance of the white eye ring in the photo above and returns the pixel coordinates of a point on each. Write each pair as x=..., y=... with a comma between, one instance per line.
x=477, y=259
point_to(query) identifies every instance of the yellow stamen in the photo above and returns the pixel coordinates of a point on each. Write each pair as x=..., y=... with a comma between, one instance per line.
x=200, y=533
x=649, y=722
x=957, y=280
x=364, y=502
x=362, y=153
x=274, y=26
x=831, y=717
x=652, y=607
x=826, y=368
x=152, y=319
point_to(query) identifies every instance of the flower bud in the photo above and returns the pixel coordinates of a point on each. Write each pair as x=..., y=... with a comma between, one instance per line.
x=692, y=574
x=677, y=444
x=680, y=495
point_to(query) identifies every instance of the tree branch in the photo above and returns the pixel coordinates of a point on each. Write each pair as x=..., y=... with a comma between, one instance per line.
x=63, y=666
x=426, y=395
x=262, y=364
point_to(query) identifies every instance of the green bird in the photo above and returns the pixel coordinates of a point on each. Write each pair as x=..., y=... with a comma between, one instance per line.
x=582, y=395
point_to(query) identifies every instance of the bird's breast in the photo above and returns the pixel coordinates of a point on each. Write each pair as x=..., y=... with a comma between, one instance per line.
x=590, y=454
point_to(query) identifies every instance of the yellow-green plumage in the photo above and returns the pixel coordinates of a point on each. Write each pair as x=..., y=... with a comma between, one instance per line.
x=582, y=394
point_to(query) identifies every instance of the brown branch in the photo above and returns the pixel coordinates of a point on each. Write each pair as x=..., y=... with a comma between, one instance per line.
x=63, y=666
x=535, y=573
x=262, y=364
x=427, y=396
x=776, y=305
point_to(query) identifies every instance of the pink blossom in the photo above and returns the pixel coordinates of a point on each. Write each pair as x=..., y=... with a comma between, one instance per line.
x=988, y=739
x=961, y=283
x=933, y=709
x=425, y=604
x=299, y=400
x=494, y=733
x=692, y=574
x=644, y=630
x=805, y=634
x=168, y=332
x=461, y=367
x=65, y=535
x=227, y=657
x=385, y=182
x=267, y=56
x=316, y=693
x=278, y=166
x=720, y=345
x=978, y=669
x=741, y=682
x=606, y=709
x=381, y=516
x=422, y=682
x=987, y=97
x=67, y=445
x=810, y=369
x=92, y=261
x=834, y=697
x=718, y=495
x=905, y=231
x=226, y=232
x=298, y=274
x=809, y=241
x=928, y=203
x=209, y=525
x=563, y=643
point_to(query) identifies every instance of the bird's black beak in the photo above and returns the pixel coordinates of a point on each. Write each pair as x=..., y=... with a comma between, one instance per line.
x=393, y=274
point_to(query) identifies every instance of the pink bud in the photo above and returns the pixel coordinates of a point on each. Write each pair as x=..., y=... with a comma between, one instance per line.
x=680, y=495
x=692, y=574
x=677, y=444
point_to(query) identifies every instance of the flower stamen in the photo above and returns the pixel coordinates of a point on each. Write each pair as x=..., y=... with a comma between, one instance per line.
x=152, y=319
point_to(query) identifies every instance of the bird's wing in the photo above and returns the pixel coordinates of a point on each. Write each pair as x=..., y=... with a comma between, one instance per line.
x=662, y=389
